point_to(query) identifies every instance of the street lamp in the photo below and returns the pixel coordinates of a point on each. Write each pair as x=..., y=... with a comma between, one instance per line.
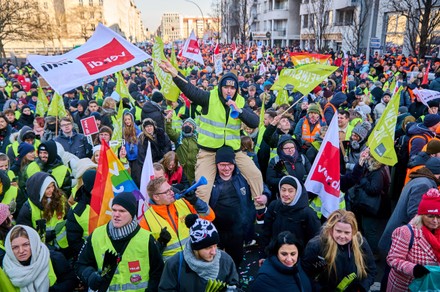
x=203, y=18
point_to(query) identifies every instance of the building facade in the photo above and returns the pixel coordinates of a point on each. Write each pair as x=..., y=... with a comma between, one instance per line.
x=72, y=22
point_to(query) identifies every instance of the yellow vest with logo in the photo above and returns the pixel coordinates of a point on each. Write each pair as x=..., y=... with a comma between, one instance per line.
x=83, y=220
x=61, y=238
x=179, y=239
x=132, y=273
x=215, y=131
x=10, y=195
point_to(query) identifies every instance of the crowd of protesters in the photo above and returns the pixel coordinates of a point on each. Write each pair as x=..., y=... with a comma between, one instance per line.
x=255, y=171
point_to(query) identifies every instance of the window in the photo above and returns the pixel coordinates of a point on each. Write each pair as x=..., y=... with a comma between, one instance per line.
x=92, y=15
x=305, y=21
x=80, y=2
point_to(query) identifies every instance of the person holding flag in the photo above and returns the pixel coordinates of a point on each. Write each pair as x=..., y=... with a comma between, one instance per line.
x=123, y=246
x=218, y=128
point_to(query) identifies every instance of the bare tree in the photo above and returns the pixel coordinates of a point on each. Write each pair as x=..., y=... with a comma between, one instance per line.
x=21, y=21
x=355, y=32
x=88, y=17
x=216, y=15
x=319, y=22
x=423, y=18
x=244, y=12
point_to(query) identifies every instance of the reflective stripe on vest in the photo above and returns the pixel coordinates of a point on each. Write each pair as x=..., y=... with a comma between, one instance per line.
x=10, y=195
x=214, y=131
x=134, y=264
x=83, y=220
x=61, y=238
x=306, y=134
x=59, y=172
x=157, y=222
x=261, y=131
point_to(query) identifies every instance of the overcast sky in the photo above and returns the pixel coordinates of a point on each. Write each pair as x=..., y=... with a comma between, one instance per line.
x=152, y=10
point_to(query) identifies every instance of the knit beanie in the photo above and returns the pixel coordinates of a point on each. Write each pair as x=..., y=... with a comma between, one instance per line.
x=89, y=179
x=51, y=149
x=24, y=148
x=157, y=97
x=127, y=201
x=433, y=164
x=229, y=80
x=430, y=203
x=202, y=233
x=362, y=130
x=148, y=122
x=313, y=108
x=317, y=89
x=433, y=147
x=225, y=154
x=289, y=180
x=4, y=213
x=431, y=120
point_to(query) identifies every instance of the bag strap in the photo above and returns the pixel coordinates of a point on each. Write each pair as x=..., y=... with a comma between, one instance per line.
x=411, y=241
x=180, y=270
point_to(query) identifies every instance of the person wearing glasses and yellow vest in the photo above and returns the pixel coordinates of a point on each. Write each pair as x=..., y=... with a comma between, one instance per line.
x=46, y=210
x=164, y=217
x=137, y=265
x=217, y=128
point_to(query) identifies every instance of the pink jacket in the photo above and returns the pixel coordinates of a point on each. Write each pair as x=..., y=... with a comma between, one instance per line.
x=402, y=261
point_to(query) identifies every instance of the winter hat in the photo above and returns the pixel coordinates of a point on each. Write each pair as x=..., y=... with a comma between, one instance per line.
x=256, y=78
x=96, y=115
x=431, y=120
x=433, y=147
x=96, y=148
x=83, y=103
x=362, y=130
x=433, y=164
x=289, y=180
x=403, y=109
x=89, y=179
x=26, y=133
x=387, y=92
x=225, y=154
x=430, y=203
x=128, y=201
x=24, y=148
x=190, y=121
x=51, y=149
x=317, y=89
x=157, y=97
x=202, y=233
x=328, y=93
x=358, y=91
x=229, y=80
x=313, y=108
x=148, y=121
x=74, y=103
x=4, y=213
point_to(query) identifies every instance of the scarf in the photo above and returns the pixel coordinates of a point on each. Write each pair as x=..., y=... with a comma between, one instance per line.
x=205, y=270
x=33, y=277
x=124, y=231
x=433, y=239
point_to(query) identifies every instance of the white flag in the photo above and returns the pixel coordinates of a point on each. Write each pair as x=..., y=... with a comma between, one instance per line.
x=259, y=53
x=426, y=95
x=191, y=49
x=105, y=53
x=324, y=177
x=146, y=176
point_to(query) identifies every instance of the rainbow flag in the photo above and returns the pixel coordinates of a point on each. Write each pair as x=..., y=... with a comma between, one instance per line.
x=111, y=179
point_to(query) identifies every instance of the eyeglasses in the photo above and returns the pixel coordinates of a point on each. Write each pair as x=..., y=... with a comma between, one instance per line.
x=65, y=125
x=226, y=165
x=169, y=191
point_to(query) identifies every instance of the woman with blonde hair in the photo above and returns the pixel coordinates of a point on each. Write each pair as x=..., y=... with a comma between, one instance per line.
x=174, y=171
x=339, y=259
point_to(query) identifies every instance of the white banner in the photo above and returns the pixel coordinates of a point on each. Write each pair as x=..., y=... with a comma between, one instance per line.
x=426, y=95
x=191, y=49
x=218, y=64
x=106, y=52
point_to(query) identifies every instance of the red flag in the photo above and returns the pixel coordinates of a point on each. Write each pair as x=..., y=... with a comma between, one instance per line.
x=191, y=49
x=324, y=177
x=217, y=49
x=344, y=77
x=425, y=76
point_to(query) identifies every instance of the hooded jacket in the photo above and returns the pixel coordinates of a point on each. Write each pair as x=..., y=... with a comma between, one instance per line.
x=297, y=218
x=417, y=143
x=154, y=111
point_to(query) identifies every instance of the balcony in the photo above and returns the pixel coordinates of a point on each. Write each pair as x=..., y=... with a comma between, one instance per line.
x=341, y=4
x=279, y=33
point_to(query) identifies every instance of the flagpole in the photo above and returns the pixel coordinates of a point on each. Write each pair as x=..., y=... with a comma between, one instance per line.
x=178, y=76
x=292, y=105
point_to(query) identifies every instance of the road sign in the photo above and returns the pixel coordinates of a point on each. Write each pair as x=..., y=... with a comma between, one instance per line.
x=375, y=43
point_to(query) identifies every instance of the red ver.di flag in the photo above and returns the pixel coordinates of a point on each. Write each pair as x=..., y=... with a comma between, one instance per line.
x=105, y=53
x=191, y=49
x=324, y=177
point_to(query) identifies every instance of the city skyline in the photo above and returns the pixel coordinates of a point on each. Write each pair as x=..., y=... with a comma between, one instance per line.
x=152, y=13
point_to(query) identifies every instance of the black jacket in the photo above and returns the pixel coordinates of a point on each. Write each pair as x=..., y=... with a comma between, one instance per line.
x=155, y=112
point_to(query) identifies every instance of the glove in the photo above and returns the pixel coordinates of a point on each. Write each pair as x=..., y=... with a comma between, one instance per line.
x=164, y=237
x=50, y=235
x=420, y=271
x=191, y=197
x=95, y=281
x=279, y=166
